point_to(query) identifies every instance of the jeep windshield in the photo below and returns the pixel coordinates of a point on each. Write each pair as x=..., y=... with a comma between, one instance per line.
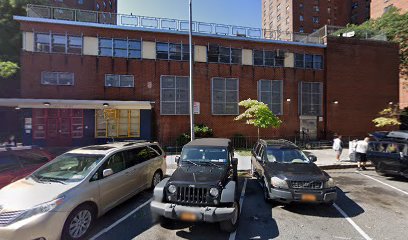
x=286, y=156
x=198, y=155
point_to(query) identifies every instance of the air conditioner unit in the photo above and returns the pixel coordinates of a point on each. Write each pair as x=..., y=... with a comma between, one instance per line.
x=349, y=34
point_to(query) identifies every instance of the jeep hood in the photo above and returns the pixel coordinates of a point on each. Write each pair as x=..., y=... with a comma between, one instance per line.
x=199, y=174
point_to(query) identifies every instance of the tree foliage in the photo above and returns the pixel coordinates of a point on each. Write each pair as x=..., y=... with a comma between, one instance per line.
x=7, y=69
x=393, y=24
x=258, y=114
x=388, y=117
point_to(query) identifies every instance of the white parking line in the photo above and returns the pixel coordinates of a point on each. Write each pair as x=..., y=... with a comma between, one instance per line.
x=386, y=184
x=359, y=230
x=241, y=201
x=105, y=230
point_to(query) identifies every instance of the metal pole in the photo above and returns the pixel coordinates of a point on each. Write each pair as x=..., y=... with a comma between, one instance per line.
x=191, y=70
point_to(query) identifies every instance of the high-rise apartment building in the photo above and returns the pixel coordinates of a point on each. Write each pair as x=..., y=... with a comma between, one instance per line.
x=379, y=7
x=92, y=5
x=310, y=15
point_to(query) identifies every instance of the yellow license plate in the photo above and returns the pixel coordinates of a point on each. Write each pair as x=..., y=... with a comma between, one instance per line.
x=189, y=217
x=308, y=198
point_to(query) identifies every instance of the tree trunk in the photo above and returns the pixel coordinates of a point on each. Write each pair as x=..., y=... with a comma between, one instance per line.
x=258, y=133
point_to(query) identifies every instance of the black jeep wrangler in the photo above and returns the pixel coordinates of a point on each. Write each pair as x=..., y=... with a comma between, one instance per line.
x=203, y=187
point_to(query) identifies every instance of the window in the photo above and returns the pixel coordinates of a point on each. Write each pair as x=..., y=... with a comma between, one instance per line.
x=58, y=43
x=269, y=58
x=301, y=6
x=125, y=48
x=80, y=2
x=115, y=80
x=57, y=78
x=225, y=96
x=316, y=8
x=308, y=61
x=301, y=18
x=354, y=5
x=113, y=123
x=42, y=42
x=270, y=93
x=218, y=54
x=301, y=30
x=172, y=51
x=315, y=20
x=311, y=98
x=174, y=96
x=116, y=163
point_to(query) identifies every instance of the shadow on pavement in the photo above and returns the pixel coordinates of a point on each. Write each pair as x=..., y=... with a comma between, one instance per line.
x=321, y=210
x=256, y=220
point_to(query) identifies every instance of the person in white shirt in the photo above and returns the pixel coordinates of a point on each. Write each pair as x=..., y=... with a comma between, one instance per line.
x=338, y=147
x=361, y=153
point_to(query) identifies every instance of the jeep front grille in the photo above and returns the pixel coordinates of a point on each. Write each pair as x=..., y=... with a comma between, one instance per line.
x=192, y=195
x=306, y=184
x=7, y=217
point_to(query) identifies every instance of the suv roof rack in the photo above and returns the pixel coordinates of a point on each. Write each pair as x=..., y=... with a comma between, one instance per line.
x=280, y=142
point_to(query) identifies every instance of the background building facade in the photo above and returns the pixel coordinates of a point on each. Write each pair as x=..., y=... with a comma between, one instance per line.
x=92, y=5
x=309, y=15
x=379, y=7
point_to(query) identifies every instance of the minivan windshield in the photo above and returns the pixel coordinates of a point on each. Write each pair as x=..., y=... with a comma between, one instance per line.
x=68, y=167
x=204, y=154
x=286, y=156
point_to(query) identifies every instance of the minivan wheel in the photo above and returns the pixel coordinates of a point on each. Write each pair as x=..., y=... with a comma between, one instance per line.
x=157, y=177
x=78, y=223
x=231, y=224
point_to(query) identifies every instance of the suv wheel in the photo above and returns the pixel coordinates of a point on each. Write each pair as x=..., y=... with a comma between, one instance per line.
x=78, y=223
x=232, y=224
x=157, y=177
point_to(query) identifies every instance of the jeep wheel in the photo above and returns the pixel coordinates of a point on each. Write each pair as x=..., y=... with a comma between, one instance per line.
x=232, y=224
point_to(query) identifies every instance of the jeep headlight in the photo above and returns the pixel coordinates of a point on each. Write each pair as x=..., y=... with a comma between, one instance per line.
x=172, y=189
x=279, y=183
x=329, y=183
x=42, y=208
x=214, y=192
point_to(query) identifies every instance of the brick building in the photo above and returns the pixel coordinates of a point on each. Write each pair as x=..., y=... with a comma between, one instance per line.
x=83, y=83
x=308, y=16
x=379, y=7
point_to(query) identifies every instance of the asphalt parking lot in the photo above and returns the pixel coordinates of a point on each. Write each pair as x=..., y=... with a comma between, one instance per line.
x=369, y=207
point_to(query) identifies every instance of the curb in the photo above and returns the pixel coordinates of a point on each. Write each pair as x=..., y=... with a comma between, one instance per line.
x=345, y=166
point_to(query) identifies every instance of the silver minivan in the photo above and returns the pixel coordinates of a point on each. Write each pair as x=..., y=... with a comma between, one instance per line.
x=62, y=199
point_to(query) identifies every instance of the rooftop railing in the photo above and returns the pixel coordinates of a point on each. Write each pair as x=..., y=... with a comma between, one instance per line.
x=78, y=15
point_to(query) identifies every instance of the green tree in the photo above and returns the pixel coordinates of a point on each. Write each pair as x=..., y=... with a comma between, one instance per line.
x=258, y=114
x=394, y=25
x=10, y=36
x=388, y=117
x=8, y=69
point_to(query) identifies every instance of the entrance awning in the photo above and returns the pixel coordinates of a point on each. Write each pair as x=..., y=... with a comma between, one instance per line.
x=73, y=104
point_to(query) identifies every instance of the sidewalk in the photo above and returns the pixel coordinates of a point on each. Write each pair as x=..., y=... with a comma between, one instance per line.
x=326, y=159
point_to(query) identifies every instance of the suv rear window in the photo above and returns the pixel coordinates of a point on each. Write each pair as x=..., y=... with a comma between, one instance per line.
x=157, y=148
x=386, y=147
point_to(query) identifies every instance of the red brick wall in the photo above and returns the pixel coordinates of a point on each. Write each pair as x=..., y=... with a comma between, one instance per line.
x=363, y=77
x=377, y=6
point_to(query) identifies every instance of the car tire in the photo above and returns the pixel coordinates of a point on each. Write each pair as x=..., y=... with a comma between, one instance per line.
x=86, y=215
x=157, y=177
x=231, y=224
x=377, y=170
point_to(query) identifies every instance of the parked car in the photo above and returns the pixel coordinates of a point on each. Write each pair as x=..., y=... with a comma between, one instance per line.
x=63, y=198
x=203, y=187
x=18, y=162
x=288, y=175
x=389, y=153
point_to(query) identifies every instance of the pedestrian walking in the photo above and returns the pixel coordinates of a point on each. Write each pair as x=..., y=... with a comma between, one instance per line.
x=338, y=147
x=361, y=153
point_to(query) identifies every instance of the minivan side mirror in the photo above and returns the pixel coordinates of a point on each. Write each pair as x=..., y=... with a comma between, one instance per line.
x=107, y=172
x=312, y=158
x=234, y=161
x=177, y=159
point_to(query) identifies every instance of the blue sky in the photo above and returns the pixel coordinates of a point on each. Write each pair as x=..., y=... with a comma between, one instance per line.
x=233, y=12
